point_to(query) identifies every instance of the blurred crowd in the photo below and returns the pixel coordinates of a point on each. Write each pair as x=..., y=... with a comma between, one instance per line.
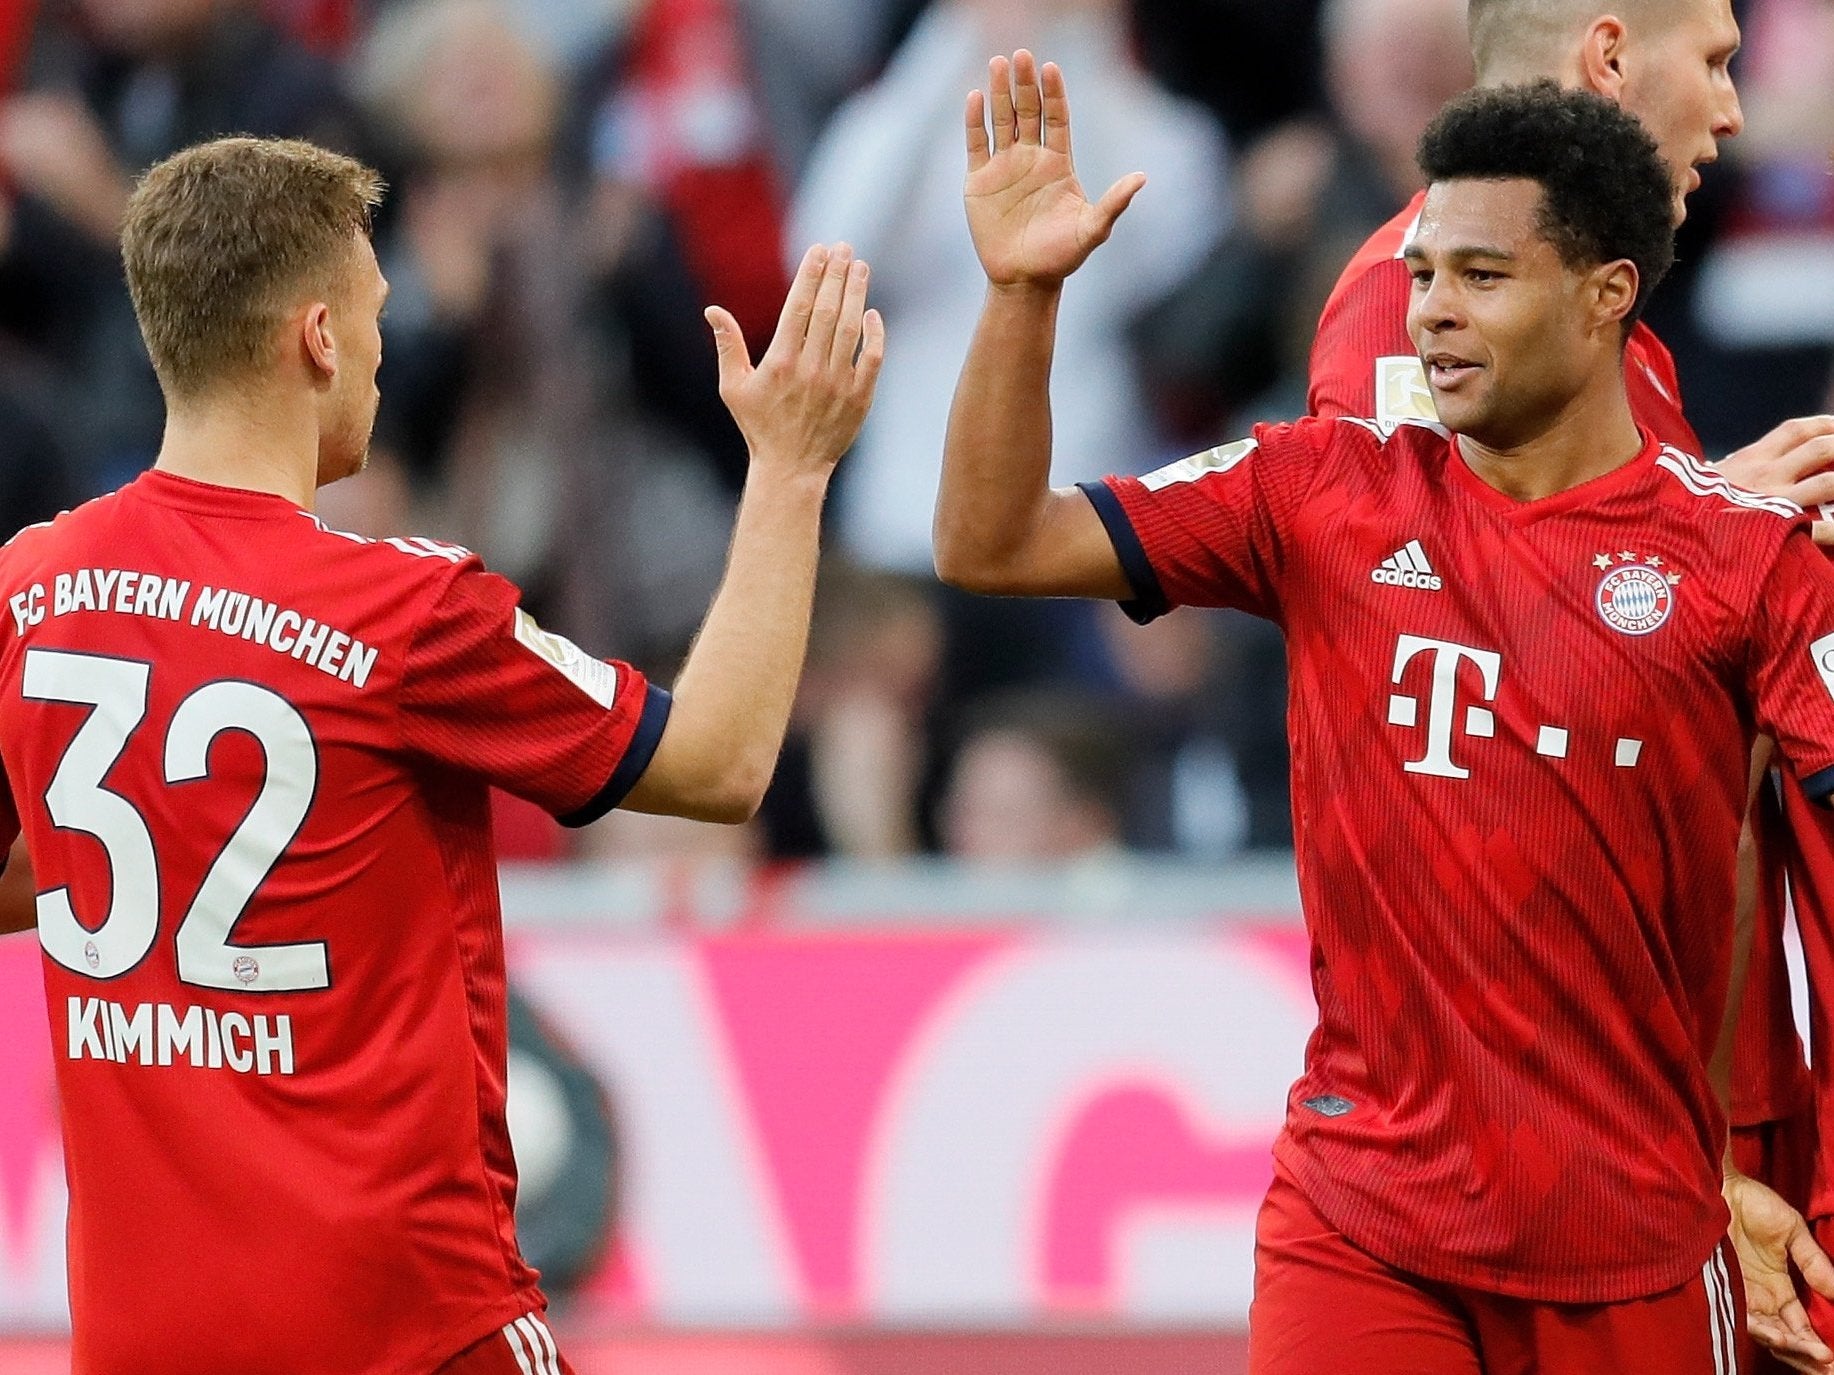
x=572, y=180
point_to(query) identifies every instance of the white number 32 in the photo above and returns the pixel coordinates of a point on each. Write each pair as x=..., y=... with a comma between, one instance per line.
x=78, y=800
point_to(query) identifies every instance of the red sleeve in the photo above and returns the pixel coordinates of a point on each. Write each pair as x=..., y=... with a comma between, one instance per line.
x=1792, y=669
x=1211, y=530
x=489, y=692
x=1363, y=364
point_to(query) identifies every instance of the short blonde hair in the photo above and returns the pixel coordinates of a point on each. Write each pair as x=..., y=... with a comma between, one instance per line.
x=220, y=241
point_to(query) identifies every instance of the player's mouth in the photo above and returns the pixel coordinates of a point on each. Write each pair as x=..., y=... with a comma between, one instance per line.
x=1447, y=372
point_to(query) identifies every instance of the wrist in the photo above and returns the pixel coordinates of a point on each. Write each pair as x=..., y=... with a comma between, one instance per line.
x=790, y=474
x=1030, y=291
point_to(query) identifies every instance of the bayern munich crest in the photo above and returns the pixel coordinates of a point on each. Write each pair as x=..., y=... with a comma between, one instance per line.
x=1637, y=594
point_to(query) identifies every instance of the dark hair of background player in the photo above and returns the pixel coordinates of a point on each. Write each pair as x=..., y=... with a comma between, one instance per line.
x=1606, y=193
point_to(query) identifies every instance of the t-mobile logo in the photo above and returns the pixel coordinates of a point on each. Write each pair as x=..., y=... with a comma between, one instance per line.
x=1442, y=704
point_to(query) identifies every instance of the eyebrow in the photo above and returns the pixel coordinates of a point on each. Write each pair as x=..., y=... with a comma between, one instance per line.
x=1464, y=253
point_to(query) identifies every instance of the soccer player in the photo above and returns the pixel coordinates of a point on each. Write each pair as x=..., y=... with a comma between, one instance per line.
x=1527, y=652
x=251, y=757
x=1668, y=63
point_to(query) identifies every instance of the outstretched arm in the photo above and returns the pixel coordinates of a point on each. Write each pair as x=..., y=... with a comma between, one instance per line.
x=799, y=411
x=1000, y=527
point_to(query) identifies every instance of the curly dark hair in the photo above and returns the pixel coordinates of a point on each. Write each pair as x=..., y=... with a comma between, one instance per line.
x=1607, y=194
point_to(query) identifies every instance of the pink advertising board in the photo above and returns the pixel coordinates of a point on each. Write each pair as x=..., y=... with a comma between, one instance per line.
x=988, y=1128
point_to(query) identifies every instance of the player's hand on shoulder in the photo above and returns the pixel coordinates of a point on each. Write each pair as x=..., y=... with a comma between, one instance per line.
x=801, y=407
x=1031, y=221
x=1794, y=461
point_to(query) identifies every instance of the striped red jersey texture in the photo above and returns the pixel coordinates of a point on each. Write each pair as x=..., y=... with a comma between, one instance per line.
x=251, y=757
x=1364, y=364
x=1519, y=736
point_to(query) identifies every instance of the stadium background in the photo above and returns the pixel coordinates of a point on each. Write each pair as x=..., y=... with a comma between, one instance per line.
x=966, y=1055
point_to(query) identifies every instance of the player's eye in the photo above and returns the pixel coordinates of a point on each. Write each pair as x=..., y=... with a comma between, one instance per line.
x=1482, y=276
x=1423, y=276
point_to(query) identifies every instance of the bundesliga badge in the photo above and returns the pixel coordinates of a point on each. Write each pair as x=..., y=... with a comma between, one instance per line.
x=1636, y=595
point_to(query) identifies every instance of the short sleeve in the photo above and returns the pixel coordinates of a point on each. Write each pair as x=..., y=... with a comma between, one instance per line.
x=489, y=692
x=1212, y=529
x=1363, y=364
x=1792, y=666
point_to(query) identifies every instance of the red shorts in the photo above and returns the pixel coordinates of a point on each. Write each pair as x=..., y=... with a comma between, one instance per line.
x=1782, y=1155
x=524, y=1347
x=1321, y=1304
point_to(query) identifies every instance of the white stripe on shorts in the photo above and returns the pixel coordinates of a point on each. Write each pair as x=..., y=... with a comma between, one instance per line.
x=550, y=1350
x=1713, y=1280
x=1730, y=1308
x=513, y=1335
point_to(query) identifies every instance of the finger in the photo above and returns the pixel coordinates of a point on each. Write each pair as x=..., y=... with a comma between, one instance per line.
x=853, y=308
x=1811, y=491
x=1824, y=536
x=1802, y=1335
x=1056, y=109
x=872, y=355
x=978, y=149
x=825, y=318
x=1113, y=204
x=729, y=343
x=793, y=324
x=1000, y=88
x=1817, y=1270
x=1028, y=100
x=1810, y=455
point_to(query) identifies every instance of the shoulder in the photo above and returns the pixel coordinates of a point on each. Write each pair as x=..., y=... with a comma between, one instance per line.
x=404, y=565
x=1705, y=491
x=42, y=536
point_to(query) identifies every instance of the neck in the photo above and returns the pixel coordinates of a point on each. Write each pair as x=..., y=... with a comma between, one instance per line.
x=1593, y=435
x=257, y=444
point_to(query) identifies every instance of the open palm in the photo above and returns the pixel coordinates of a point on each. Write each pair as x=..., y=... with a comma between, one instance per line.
x=1031, y=220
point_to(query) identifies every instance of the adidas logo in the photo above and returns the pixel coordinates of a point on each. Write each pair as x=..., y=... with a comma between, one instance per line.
x=1408, y=567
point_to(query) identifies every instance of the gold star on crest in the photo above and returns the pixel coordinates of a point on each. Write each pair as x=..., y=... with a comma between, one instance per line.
x=1602, y=561
x=1674, y=579
x=1625, y=556
x=1653, y=561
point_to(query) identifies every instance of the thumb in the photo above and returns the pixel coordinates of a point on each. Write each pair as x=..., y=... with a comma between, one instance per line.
x=729, y=341
x=1115, y=201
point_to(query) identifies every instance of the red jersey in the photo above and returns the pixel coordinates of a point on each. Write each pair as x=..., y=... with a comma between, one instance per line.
x=1519, y=736
x=251, y=757
x=1364, y=364
x=1809, y=859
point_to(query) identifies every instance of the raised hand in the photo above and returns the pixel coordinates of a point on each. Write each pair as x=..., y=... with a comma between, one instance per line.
x=1796, y=461
x=1031, y=221
x=802, y=406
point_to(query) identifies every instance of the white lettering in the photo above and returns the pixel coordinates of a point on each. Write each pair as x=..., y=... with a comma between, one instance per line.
x=133, y=1032
x=311, y=640
x=280, y=640
x=233, y=613
x=82, y=592
x=180, y=1037
x=172, y=599
x=124, y=593
x=1441, y=710
x=260, y=620
x=60, y=595
x=334, y=651
x=274, y=1042
x=209, y=608
x=106, y=578
x=239, y=1058
x=86, y=1029
x=356, y=668
x=146, y=595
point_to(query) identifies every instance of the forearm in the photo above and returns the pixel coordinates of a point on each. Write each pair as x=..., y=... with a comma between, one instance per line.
x=733, y=697
x=997, y=456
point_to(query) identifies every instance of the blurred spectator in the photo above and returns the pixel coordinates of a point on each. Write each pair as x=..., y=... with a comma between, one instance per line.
x=111, y=87
x=852, y=776
x=1038, y=779
x=1255, y=64
x=682, y=119
x=546, y=368
x=887, y=178
x=1232, y=347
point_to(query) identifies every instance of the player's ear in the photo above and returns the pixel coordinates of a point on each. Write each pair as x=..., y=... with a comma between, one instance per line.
x=1614, y=291
x=1601, y=57
x=320, y=345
